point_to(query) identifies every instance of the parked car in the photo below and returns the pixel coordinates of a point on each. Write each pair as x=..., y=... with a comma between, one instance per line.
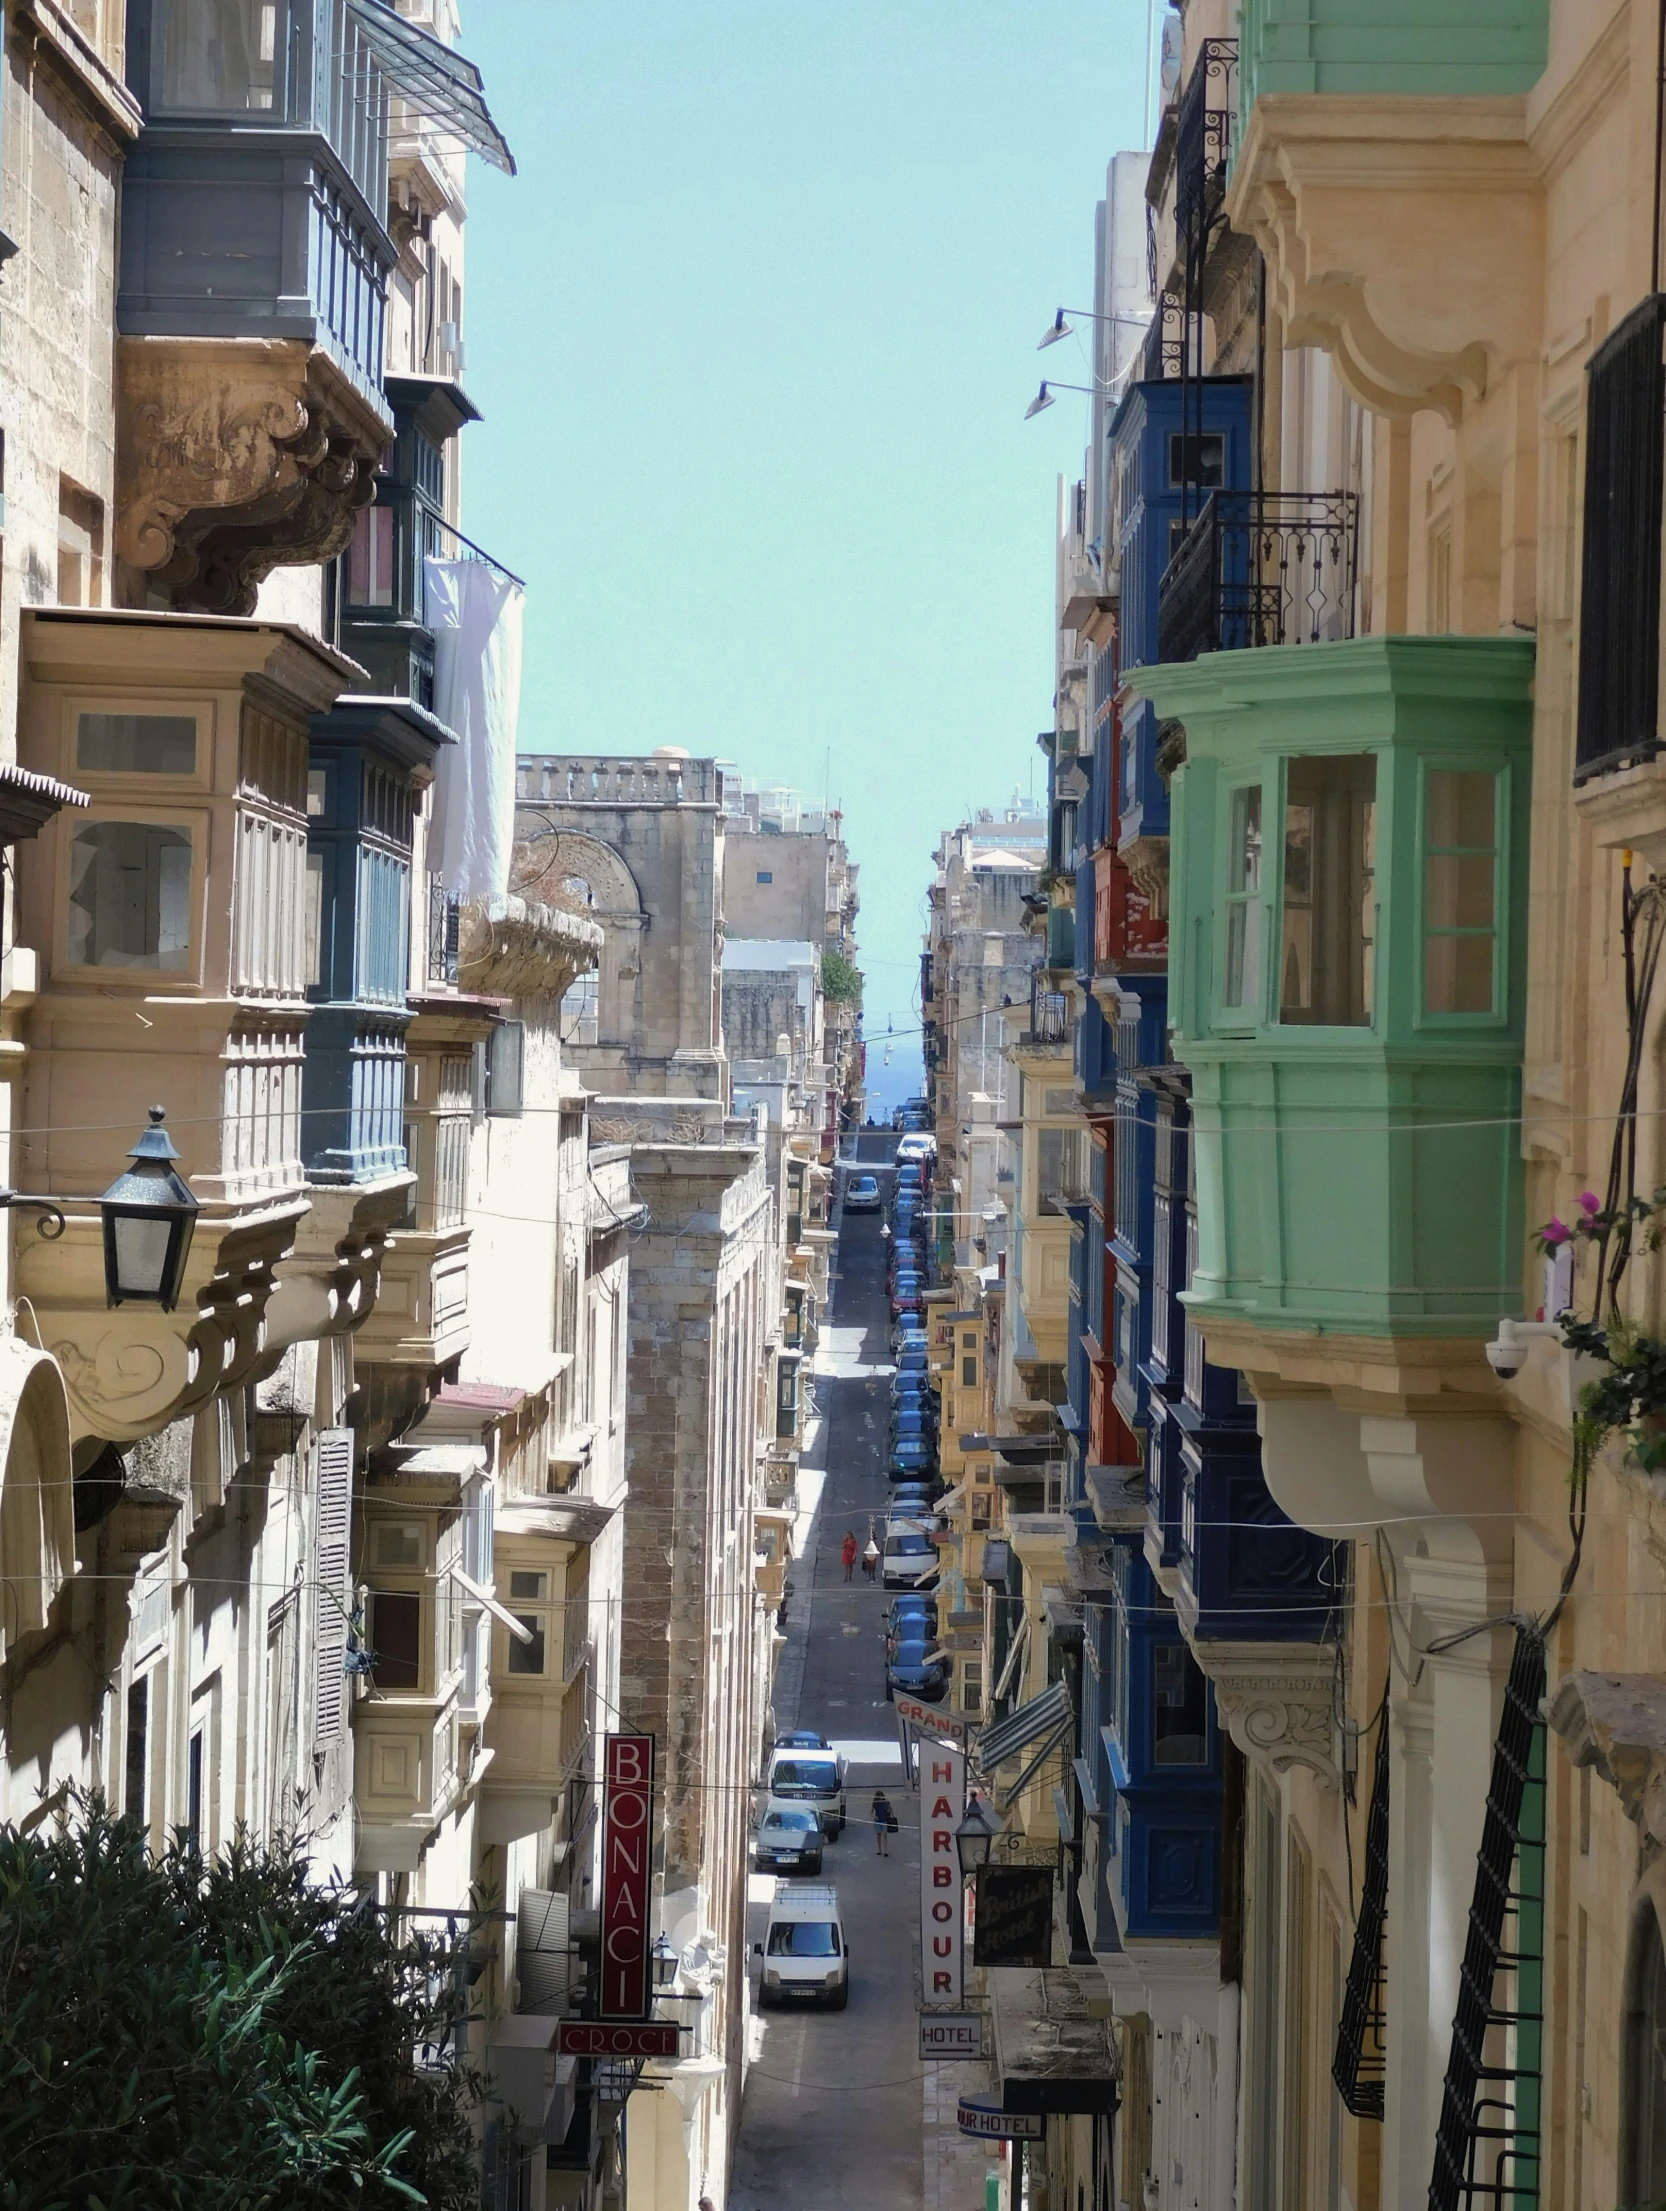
x=913, y=1427
x=911, y=1359
x=918, y=1669
x=813, y=1777
x=804, y=1951
x=789, y=1838
x=916, y=1146
x=911, y=1457
x=910, y=1558
x=911, y=1604
x=862, y=1194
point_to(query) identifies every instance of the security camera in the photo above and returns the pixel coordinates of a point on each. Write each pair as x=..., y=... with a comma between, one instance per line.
x=1506, y=1357
x=1512, y=1347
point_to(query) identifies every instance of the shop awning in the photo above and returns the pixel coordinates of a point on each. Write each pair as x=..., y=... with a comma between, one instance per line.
x=1043, y=1715
x=439, y=83
x=1052, y=2054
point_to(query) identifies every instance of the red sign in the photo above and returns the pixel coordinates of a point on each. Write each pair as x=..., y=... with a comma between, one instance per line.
x=627, y=1853
x=617, y=2038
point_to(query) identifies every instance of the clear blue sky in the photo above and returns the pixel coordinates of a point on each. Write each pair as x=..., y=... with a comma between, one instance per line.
x=752, y=332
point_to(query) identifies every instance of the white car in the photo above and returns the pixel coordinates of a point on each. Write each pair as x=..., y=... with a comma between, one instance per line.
x=814, y=1778
x=916, y=1148
x=862, y=1194
x=804, y=1953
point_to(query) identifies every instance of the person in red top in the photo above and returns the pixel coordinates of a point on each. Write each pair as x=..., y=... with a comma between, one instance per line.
x=847, y=1553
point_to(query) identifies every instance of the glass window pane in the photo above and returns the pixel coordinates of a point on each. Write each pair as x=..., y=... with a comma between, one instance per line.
x=1461, y=890
x=1244, y=858
x=1328, y=914
x=1457, y=974
x=396, y=1638
x=1179, y=1708
x=528, y=1658
x=1462, y=810
x=532, y=1587
x=219, y=57
x=1240, y=983
x=130, y=895
x=136, y=744
x=370, y=558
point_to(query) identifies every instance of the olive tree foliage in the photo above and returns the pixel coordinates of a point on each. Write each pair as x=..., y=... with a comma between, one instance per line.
x=216, y=2034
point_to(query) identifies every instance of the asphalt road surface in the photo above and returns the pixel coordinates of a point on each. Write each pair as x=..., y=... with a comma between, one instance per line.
x=833, y=2105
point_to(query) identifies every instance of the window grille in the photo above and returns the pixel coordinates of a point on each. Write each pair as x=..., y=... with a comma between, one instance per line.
x=1487, y=2143
x=1619, y=597
x=1361, y=2047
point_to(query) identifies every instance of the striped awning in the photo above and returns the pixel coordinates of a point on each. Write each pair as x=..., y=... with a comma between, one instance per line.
x=1043, y=1715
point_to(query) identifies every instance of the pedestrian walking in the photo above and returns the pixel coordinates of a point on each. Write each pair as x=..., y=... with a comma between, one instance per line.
x=847, y=1552
x=870, y=1559
x=883, y=1820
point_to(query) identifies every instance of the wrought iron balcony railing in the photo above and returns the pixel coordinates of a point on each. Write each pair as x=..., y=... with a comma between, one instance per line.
x=1203, y=135
x=1049, y=1014
x=1261, y=568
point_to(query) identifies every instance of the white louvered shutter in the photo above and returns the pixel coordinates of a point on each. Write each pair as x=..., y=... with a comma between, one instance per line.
x=333, y=1488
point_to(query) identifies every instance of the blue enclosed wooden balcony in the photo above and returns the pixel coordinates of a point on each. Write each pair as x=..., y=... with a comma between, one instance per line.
x=369, y=757
x=1162, y=1765
x=255, y=202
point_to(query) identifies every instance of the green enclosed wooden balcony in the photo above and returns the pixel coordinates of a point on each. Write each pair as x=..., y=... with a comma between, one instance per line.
x=1370, y=46
x=1347, y=977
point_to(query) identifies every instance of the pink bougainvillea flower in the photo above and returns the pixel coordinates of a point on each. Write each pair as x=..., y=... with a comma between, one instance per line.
x=1589, y=1202
x=1555, y=1231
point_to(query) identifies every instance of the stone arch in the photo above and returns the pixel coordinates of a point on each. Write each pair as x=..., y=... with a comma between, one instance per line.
x=37, y=1505
x=545, y=865
x=572, y=869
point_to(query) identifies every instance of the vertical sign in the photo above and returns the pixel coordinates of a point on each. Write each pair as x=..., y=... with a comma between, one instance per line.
x=942, y=1807
x=627, y=1852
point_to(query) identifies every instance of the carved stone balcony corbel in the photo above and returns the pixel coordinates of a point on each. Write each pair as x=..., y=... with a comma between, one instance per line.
x=1277, y=1702
x=132, y=1370
x=327, y=1285
x=237, y=456
x=1400, y=233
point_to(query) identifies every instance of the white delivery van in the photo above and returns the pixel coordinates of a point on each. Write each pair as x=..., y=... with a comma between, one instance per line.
x=804, y=1955
x=814, y=1777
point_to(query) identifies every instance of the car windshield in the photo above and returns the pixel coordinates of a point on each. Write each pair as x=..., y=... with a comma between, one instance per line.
x=798, y=1823
x=911, y=1546
x=804, y=1938
x=818, y=1774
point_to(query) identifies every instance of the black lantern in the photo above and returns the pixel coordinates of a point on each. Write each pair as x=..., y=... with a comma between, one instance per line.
x=149, y=1214
x=974, y=1838
x=665, y=1962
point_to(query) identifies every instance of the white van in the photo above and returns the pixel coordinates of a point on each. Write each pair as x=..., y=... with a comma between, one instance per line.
x=812, y=1777
x=804, y=1954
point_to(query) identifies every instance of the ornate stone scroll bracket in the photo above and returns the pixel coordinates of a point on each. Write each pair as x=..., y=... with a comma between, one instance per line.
x=237, y=456
x=131, y=1371
x=1400, y=233
x=1277, y=1703
x=1616, y=1723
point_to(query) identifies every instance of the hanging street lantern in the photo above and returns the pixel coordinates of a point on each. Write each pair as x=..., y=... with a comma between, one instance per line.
x=975, y=1837
x=149, y=1213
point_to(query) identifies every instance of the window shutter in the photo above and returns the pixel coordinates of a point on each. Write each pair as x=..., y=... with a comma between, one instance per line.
x=505, y=1057
x=333, y=1502
x=1619, y=594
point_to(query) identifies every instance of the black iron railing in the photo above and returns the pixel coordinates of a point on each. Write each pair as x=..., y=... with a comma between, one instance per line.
x=1203, y=134
x=1049, y=1014
x=1487, y=2142
x=1361, y=2061
x=444, y=916
x=1163, y=350
x=1261, y=568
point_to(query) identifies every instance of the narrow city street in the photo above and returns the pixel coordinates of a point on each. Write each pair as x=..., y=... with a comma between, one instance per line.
x=833, y=2103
